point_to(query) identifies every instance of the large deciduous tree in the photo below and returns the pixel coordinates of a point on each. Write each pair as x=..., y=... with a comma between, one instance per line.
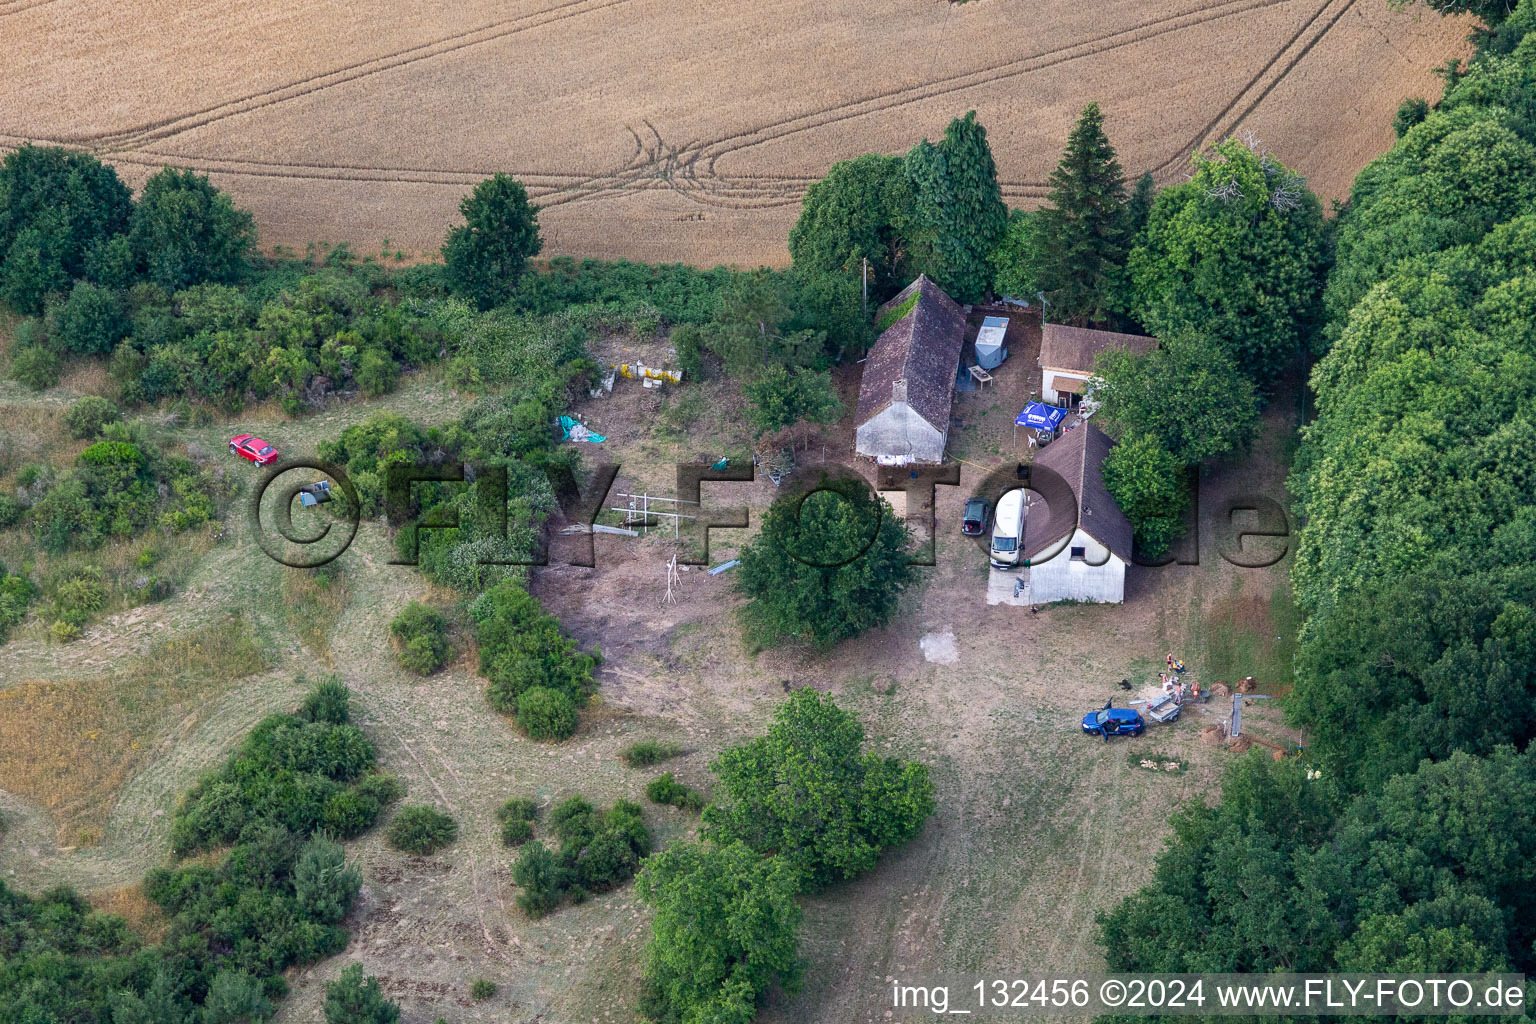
x=1187, y=393
x=725, y=928
x=1147, y=482
x=855, y=213
x=186, y=232
x=56, y=209
x=1237, y=252
x=485, y=256
x=828, y=564
x=808, y=792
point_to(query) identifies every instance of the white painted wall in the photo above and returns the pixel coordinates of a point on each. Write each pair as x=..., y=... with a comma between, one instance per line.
x=1064, y=578
x=899, y=431
x=1048, y=392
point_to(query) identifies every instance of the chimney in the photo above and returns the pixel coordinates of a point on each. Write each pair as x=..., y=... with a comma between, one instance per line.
x=899, y=391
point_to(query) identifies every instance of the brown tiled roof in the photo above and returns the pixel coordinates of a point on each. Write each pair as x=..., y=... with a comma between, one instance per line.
x=922, y=348
x=1077, y=459
x=1074, y=348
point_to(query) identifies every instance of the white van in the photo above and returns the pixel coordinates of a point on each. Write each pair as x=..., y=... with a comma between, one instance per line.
x=1008, y=530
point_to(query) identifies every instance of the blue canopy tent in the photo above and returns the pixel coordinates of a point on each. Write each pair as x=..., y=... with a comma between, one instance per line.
x=1038, y=416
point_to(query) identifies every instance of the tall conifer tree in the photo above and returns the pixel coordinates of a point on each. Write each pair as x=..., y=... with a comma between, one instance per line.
x=1083, y=232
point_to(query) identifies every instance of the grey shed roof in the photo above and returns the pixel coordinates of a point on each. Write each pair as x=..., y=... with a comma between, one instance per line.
x=923, y=349
x=1074, y=348
x=1077, y=459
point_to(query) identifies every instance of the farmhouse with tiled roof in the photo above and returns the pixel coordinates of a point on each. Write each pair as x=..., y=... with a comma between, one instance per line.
x=1079, y=531
x=909, y=378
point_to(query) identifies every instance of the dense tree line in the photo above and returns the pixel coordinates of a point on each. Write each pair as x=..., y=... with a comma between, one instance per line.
x=275, y=899
x=1400, y=840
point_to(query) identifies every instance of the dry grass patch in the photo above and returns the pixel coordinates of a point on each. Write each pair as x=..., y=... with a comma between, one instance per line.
x=313, y=600
x=88, y=376
x=71, y=746
x=130, y=903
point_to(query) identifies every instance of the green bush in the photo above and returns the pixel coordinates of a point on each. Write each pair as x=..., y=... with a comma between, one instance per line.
x=518, y=808
x=522, y=649
x=304, y=771
x=10, y=511
x=16, y=593
x=36, y=368
x=330, y=702
x=421, y=829
x=87, y=416
x=667, y=790
x=598, y=850
x=643, y=753
x=376, y=373
x=92, y=321
x=516, y=832
x=421, y=636
x=481, y=988
x=516, y=817
x=546, y=714
x=353, y=999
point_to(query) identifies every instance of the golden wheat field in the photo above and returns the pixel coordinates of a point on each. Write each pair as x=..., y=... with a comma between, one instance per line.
x=685, y=131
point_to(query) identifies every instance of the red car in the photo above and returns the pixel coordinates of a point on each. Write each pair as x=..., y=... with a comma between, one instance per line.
x=249, y=446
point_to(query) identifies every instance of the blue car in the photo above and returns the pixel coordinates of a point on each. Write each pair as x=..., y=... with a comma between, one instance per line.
x=1107, y=722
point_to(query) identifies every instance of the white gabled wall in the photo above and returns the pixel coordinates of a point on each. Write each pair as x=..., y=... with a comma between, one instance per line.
x=900, y=432
x=1063, y=579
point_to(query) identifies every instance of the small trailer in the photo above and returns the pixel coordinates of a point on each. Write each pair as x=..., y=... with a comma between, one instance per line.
x=1165, y=708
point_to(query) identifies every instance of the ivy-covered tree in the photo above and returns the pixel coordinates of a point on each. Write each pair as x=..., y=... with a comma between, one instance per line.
x=1187, y=393
x=855, y=213
x=958, y=215
x=485, y=256
x=808, y=793
x=828, y=564
x=725, y=928
x=185, y=231
x=1238, y=252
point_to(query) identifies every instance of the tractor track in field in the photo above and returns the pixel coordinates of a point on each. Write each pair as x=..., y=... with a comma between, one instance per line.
x=690, y=170
x=1214, y=128
x=137, y=136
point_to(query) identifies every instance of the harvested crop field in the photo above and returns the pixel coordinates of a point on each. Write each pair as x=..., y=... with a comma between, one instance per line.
x=688, y=132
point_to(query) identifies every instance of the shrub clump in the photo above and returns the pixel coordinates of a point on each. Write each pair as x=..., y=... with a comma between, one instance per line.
x=306, y=772
x=36, y=368
x=421, y=829
x=482, y=988
x=87, y=416
x=421, y=637
x=535, y=670
x=598, y=851
x=667, y=790
x=516, y=817
x=644, y=753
